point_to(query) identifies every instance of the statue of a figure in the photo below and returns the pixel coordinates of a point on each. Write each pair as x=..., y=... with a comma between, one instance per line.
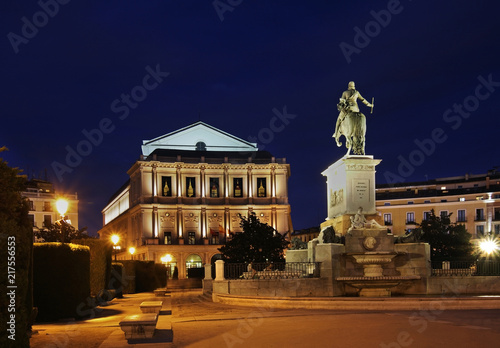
x=359, y=221
x=351, y=123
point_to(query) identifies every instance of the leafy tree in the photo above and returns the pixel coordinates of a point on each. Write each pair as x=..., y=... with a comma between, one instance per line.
x=448, y=241
x=16, y=266
x=62, y=232
x=258, y=242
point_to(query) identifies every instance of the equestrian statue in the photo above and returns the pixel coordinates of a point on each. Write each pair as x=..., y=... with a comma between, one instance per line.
x=351, y=123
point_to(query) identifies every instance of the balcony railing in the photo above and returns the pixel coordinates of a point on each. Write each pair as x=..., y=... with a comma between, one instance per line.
x=282, y=270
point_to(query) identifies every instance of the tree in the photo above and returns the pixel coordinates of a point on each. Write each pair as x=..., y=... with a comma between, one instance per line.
x=258, y=242
x=448, y=241
x=16, y=250
x=61, y=231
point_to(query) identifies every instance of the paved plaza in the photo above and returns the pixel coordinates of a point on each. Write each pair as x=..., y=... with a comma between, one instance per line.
x=189, y=319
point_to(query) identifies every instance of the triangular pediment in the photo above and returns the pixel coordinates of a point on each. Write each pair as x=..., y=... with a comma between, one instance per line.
x=199, y=136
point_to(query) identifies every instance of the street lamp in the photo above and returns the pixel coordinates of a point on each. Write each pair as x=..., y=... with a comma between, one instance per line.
x=62, y=208
x=131, y=250
x=115, y=239
x=488, y=246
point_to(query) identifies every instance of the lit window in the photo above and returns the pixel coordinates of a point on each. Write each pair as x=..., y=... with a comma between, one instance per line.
x=462, y=199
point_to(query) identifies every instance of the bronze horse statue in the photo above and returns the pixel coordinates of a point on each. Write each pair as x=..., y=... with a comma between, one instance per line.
x=353, y=128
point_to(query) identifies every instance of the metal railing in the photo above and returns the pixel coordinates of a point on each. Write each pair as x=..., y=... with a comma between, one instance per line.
x=282, y=270
x=466, y=268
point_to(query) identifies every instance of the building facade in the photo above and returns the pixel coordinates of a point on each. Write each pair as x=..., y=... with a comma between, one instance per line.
x=473, y=200
x=186, y=193
x=42, y=201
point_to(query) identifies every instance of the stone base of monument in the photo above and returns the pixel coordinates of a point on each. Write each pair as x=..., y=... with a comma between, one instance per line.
x=375, y=286
x=342, y=223
x=373, y=249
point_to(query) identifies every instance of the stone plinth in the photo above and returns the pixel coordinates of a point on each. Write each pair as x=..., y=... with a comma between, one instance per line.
x=351, y=185
x=139, y=326
x=369, y=240
x=151, y=306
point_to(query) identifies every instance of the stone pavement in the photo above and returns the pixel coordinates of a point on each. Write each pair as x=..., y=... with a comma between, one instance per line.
x=196, y=321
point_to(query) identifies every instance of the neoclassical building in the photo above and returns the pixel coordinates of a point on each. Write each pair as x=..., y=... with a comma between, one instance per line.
x=186, y=192
x=473, y=200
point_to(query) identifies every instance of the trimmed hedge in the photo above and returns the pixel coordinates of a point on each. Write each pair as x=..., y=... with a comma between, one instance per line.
x=61, y=279
x=100, y=263
x=149, y=276
x=128, y=276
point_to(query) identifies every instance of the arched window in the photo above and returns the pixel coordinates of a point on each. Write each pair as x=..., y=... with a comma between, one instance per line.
x=201, y=146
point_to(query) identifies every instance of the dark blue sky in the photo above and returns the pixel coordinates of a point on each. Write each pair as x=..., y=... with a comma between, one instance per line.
x=433, y=68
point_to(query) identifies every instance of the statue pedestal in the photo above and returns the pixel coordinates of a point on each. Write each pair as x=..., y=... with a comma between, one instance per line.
x=350, y=185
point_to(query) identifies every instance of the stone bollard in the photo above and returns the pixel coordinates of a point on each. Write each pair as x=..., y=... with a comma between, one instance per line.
x=219, y=270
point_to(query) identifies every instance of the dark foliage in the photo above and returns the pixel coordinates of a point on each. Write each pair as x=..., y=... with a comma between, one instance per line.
x=258, y=242
x=61, y=280
x=448, y=241
x=149, y=276
x=61, y=232
x=16, y=250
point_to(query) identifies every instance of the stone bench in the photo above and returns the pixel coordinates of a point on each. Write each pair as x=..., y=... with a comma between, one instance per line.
x=139, y=326
x=151, y=307
x=160, y=292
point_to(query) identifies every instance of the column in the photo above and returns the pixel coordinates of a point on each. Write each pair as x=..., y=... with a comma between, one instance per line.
x=203, y=222
x=155, y=222
x=202, y=183
x=249, y=185
x=179, y=223
x=179, y=183
x=154, y=183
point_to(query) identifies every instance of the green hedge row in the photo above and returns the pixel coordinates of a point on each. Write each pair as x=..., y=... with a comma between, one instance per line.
x=149, y=276
x=100, y=263
x=61, y=279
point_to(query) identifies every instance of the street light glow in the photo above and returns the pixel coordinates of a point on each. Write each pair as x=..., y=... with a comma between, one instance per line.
x=167, y=258
x=115, y=239
x=131, y=250
x=488, y=246
x=62, y=206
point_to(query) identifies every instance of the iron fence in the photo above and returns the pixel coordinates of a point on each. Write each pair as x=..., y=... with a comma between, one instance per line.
x=466, y=268
x=281, y=270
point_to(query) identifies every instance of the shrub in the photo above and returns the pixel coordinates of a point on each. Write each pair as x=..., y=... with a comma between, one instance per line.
x=100, y=263
x=116, y=281
x=16, y=247
x=61, y=279
x=149, y=276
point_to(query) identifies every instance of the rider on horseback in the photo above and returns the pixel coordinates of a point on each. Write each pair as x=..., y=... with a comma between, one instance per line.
x=350, y=97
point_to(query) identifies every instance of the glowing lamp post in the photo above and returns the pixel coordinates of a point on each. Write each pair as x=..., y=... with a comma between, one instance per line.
x=131, y=250
x=115, y=239
x=62, y=208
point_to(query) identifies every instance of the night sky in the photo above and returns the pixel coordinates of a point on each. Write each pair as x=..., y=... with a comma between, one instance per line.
x=432, y=67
